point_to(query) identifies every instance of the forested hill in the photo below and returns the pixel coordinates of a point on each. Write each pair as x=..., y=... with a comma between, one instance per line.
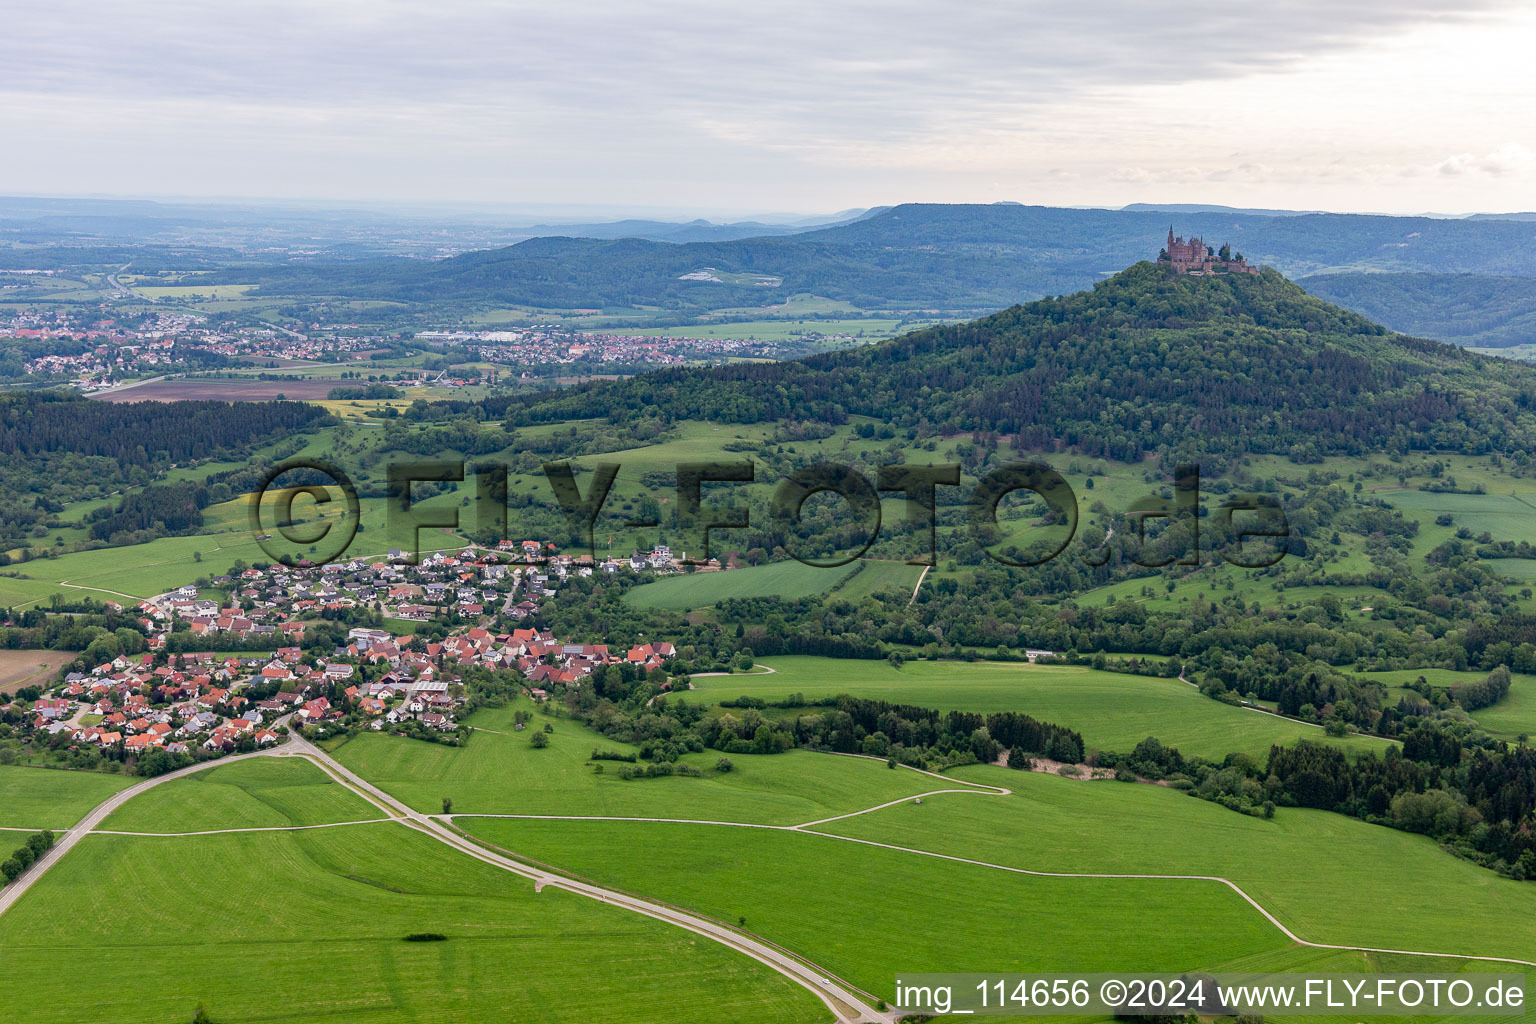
x=1146, y=360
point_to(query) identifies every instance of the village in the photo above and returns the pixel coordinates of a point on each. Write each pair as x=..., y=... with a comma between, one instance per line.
x=167, y=707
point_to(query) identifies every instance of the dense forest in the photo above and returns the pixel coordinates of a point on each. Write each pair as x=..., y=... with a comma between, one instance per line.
x=56, y=449
x=35, y=424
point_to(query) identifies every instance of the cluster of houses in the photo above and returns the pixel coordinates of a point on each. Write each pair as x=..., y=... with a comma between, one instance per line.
x=273, y=601
x=179, y=703
x=540, y=657
x=185, y=703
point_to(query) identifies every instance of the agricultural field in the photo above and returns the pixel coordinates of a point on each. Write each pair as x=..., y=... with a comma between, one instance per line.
x=21, y=668
x=1506, y=516
x=263, y=792
x=878, y=575
x=225, y=389
x=866, y=912
x=308, y=925
x=871, y=329
x=787, y=579
x=499, y=772
x=191, y=292
x=39, y=798
x=1318, y=872
x=1113, y=710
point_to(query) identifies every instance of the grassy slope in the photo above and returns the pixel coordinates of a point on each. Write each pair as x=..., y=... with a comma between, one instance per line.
x=47, y=798
x=1112, y=710
x=1328, y=877
x=302, y=926
x=867, y=914
x=264, y=792
x=503, y=774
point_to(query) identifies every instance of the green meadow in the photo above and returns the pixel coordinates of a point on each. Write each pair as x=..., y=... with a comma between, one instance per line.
x=1324, y=875
x=867, y=914
x=263, y=792
x=787, y=579
x=306, y=926
x=38, y=798
x=1112, y=710
x=141, y=571
x=500, y=772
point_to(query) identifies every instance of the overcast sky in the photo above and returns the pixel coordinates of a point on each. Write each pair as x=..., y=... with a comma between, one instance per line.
x=718, y=107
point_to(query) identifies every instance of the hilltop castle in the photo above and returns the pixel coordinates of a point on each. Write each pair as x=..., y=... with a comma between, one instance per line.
x=1195, y=257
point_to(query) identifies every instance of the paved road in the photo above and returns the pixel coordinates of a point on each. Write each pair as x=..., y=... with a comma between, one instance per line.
x=845, y=1005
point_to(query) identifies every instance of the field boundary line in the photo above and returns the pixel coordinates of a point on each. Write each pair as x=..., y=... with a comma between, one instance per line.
x=226, y=831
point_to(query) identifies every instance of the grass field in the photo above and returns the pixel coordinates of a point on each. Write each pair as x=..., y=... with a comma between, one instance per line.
x=140, y=571
x=789, y=579
x=501, y=773
x=19, y=668
x=878, y=575
x=49, y=798
x=1323, y=874
x=1505, y=516
x=307, y=926
x=1112, y=710
x=262, y=792
x=867, y=914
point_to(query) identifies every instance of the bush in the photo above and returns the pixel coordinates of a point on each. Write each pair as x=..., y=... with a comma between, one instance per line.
x=725, y=764
x=539, y=740
x=426, y=937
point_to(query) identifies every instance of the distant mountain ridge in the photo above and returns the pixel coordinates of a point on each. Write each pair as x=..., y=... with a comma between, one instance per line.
x=918, y=256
